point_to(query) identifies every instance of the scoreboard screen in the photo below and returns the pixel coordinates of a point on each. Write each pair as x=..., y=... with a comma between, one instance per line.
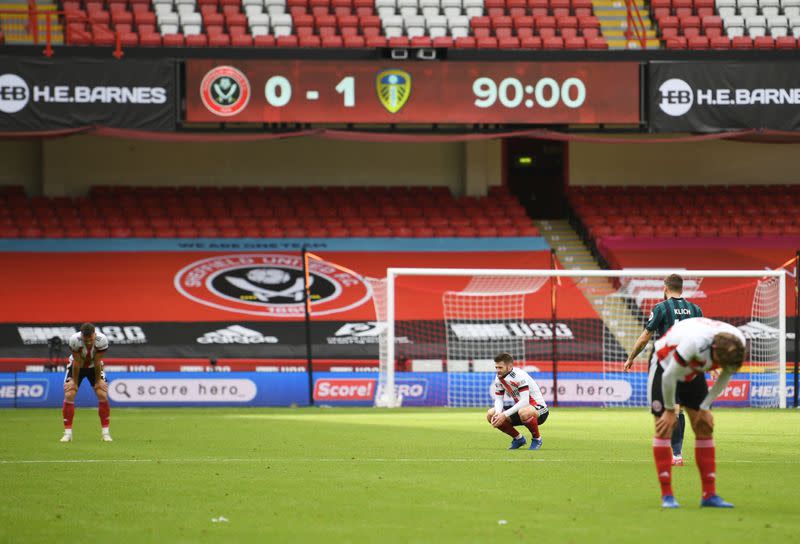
x=306, y=91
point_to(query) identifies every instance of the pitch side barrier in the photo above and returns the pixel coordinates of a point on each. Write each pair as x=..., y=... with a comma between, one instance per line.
x=191, y=389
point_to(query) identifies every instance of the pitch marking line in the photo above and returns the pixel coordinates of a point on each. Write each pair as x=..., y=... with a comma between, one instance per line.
x=358, y=460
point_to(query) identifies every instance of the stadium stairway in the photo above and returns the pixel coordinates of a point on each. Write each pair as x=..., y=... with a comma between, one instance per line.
x=613, y=19
x=573, y=254
x=15, y=27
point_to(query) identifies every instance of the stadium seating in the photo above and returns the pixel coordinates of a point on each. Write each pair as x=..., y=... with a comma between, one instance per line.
x=506, y=24
x=728, y=24
x=687, y=212
x=211, y=212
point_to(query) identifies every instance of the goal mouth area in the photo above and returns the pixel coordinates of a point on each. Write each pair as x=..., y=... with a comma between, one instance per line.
x=574, y=323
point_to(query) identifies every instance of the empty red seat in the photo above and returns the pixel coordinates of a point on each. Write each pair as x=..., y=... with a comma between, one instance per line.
x=196, y=40
x=785, y=42
x=555, y=42
x=242, y=40
x=742, y=42
x=698, y=42
x=533, y=42
x=264, y=41
x=764, y=42
x=508, y=43
x=720, y=42
x=286, y=41
x=466, y=42
x=575, y=43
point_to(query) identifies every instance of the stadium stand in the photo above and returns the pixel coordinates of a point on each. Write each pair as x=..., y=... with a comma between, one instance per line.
x=728, y=24
x=505, y=24
x=211, y=212
x=687, y=211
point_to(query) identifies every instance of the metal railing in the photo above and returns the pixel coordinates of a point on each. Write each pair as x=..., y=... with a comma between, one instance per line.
x=51, y=18
x=635, y=25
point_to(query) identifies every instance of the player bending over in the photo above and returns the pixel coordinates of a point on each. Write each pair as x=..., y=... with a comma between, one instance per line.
x=691, y=348
x=665, y=314
x=86, y=361
x=518, y=385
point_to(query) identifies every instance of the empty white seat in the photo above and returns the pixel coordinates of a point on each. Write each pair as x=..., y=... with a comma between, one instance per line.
x=158, y=2
x=385, y=8
x=253, y=10
x=725, y=3
x=734, y=26
x=281, y=24
x=168, y=28
x=392, y=26
x=733, y=21
x=430, y=7
x=473, y=8
x=459, y=26
x=167, y=18
x=191, y=30
x=275, y=7
x=451, y=8
x=191, y=19
x=407, y=7
x=437, y=26
x=777, y=21
x=769, y=8
x=756, y=26
x=789, y=3
x=415, y=25
x=259, y=30
x=794, y=23
x=791, y=11
x=392, y=20
x=281, y=19
x=253, y=2
x=258, y=19
x=185, y=8
x=185, y=3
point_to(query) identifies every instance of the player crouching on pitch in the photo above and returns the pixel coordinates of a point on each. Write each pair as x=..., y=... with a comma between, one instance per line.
x=519, y=385
x=86, y=361
x=691, y=348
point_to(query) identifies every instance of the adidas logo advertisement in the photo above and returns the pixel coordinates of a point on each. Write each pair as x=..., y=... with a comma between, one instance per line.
x=236, y=334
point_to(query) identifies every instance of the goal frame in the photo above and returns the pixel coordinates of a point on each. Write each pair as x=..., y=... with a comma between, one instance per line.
x=393, y=273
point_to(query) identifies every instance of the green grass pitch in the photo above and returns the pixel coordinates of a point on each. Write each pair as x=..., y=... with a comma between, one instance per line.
x=367, y=475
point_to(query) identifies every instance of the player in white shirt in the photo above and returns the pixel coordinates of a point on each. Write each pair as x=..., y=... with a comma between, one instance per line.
x=88, y=348
x=529, y=408
x=681, y=358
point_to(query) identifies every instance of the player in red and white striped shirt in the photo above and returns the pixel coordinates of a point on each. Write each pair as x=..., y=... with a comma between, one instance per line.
x=691, y=348
x=529, y=408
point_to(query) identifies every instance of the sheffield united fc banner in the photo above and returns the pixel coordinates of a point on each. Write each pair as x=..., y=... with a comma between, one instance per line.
x=718, y=96
x=40, y=95
x=411, y=92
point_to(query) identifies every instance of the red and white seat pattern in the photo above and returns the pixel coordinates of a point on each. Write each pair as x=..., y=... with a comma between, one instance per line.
x=531, y=24
x=728, y=24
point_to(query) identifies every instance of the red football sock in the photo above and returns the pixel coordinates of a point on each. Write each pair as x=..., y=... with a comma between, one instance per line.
x=104, y=411
x=68, y=412
x=509, y=429
x=533, y=425
x=662, y=452
x=705, y=457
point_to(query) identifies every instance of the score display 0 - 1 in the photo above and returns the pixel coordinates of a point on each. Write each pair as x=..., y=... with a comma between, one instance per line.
x=412, y=92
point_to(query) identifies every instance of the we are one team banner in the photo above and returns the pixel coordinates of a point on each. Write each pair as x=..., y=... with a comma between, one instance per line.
x=43, y=390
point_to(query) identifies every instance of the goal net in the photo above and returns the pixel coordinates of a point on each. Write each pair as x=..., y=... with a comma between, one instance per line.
x=571, y=329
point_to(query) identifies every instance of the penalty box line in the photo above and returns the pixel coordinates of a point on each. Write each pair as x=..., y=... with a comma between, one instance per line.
x=364, y=460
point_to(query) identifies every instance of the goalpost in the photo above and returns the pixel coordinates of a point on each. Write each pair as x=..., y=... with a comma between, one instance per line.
x=573, y=329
